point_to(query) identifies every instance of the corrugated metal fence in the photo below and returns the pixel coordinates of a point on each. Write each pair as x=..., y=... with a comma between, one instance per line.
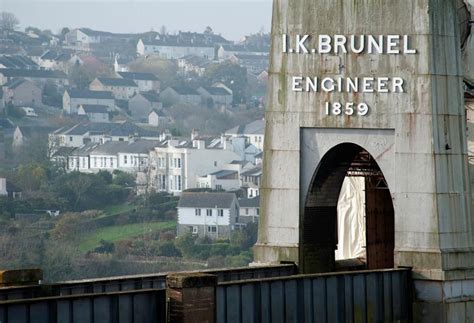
x=368, y=296
x=145, y=306
x=135, y=282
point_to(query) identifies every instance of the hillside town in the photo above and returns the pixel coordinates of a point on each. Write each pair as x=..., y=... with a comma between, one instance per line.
x=103, y=131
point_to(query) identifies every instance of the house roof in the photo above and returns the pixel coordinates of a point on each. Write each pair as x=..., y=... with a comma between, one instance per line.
x=256, y=171
x=14, y=83
x=17, y=61
x=216, y=91
x=158, y=113
x=132, y=147
x=5, y=123
x=87, y=94
x=123, y=129
x=253, y=202
x=223, y=173
x=187, y=39
x=117, y=82
x=138, y=76
x=9, y=72
x=206, y=200
x=95, y=108
x=256, y=127
x=185, y=90
x=151, y=96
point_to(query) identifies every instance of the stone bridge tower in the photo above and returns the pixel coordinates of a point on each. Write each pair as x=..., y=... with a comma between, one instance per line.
x=410, y=146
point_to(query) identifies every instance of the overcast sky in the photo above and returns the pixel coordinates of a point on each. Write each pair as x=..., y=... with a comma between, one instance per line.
x=232, y=18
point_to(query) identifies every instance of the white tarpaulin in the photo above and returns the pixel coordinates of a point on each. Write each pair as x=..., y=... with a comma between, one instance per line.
x=351, y=219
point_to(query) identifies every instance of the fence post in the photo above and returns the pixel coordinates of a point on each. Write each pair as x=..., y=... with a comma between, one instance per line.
x=191, y=297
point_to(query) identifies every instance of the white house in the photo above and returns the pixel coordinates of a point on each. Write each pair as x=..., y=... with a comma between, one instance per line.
x=98, y=132
x=175, y=165
x=94, y=112
x=254, y=132
x=218, y=95
x=249, y=210
x=141, y=104
x=145, y=81
x=73, y=98
x=222, y=180
x=212, y=215
x=82, y=38
x=122, y=89
x=180, y=94
x=182, y=44
x=158, y=118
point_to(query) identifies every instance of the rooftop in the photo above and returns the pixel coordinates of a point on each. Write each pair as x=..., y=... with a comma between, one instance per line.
x=87, y=94
x=117, y=82
x=94, y=108
x=138, y=76
x=9, y=72
x=206, y=200
x=256, y=127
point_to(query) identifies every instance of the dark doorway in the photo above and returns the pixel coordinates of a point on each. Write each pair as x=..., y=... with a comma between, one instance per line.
x=318, y=238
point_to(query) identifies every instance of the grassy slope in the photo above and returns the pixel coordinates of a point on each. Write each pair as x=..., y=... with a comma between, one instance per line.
x=116, y=233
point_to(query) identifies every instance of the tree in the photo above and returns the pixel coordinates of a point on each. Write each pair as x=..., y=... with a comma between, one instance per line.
x=163, y=30
x=232, y=75
x=208, y=31
x=80, y=76
x=8, y=21
x=64, y=31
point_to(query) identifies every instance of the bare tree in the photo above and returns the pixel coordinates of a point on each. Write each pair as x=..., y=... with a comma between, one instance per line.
x=8, y=21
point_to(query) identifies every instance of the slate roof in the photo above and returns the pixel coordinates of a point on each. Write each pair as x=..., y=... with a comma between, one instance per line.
x=9, y=72
x=87, y=94
x=132, y=147
x=17, y=61
x=5, y=123
x=94, y=108
x=187, y=39
x=150, y=96
x=253, y=202
x=138, y=76
x=14, y=83
x=256, y=171
x=206, y=200
x=117, y=82
x=256, y=127
x=184, y=90
x=123, y=129
x=223, y=173
x=217, y=91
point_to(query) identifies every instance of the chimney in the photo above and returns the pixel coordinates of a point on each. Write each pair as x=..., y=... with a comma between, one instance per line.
x=194, y=134
x=226, y=145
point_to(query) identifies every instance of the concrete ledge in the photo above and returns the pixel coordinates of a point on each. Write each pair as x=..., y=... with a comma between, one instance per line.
x=20, y=277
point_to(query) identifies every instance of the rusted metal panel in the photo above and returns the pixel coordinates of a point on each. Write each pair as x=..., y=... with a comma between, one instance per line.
x=366, y=296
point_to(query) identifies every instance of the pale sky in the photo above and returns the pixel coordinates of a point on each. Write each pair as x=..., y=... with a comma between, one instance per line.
x=232, y=18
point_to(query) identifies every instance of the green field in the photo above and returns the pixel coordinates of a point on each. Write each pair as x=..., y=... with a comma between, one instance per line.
x=116, y=233
x=117, y=209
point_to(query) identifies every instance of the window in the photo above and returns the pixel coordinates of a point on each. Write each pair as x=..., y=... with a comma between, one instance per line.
x=219, y=187
x=246, y=211
x=195, y=230
x=95, y=161
x=125, y=161
x=161, y=182
x=212, y=229
x=179, y=162
x=209, y=212
x=178, y=182
x=197, y=212
x=220, y=212
x=70, y=138
x=121, y=139
x=258, y=211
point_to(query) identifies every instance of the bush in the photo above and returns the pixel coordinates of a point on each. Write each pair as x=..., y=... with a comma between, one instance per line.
x=168, y=249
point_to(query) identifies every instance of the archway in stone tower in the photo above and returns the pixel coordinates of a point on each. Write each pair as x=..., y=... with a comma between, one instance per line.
x=319, y=238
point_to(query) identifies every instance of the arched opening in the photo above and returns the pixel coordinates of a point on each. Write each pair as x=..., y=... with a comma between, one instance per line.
x=319, y=218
